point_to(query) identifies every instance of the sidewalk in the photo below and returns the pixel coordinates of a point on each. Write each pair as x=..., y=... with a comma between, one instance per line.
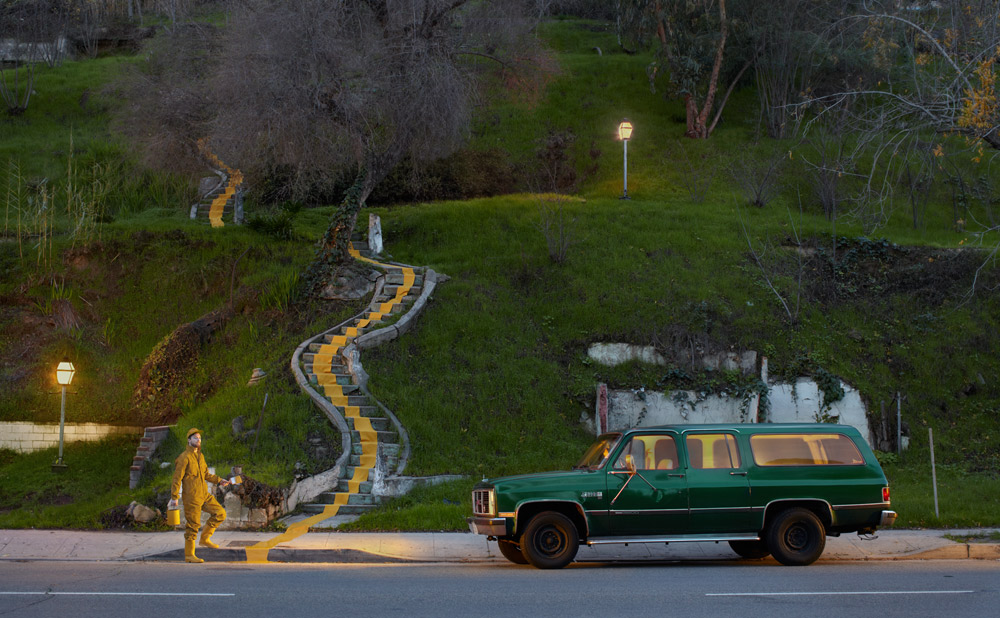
x=373, y=547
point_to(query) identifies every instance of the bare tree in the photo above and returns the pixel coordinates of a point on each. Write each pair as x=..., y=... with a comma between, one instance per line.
x=345, y=91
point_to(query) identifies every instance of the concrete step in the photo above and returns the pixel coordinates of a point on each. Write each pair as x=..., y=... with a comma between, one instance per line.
x=348, y=509
x=349, y=474
x=378, y=423
x=330, y=497
x=357, y=401
x=386, y=449
x=343, y=379
x=392, y=290
x=390, y=461
x=383, y=437
x=395, y=277
x=365, y=488
x=335, y=366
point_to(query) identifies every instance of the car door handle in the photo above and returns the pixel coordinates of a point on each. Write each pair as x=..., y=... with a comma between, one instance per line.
x=738, y=473
x=680, y=476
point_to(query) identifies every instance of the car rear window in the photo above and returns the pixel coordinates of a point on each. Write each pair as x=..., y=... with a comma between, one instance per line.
x=798, y=449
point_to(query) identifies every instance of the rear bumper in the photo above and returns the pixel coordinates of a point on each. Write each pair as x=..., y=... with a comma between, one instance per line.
x=490, y=526
x=888, y=518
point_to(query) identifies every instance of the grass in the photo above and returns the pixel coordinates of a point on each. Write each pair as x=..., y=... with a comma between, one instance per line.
x=32, y=496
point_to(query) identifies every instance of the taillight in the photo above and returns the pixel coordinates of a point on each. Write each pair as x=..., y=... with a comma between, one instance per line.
x=885, y=494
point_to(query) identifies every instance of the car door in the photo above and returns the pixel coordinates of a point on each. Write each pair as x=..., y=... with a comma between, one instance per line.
x=718, y=490
x=649, y=498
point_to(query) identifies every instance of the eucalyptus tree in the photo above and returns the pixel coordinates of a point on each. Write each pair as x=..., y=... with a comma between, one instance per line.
x=694, y=52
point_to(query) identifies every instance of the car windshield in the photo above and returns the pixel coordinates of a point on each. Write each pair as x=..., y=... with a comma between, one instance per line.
x=598, y=452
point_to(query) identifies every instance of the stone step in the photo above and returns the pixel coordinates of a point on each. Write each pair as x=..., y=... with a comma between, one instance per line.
x=357, y=401
x=343, y=379
x=348, y=509
x=204, y=208
x=386, y=449
x=335, y=366
x=344, y=329
x=378, y=423
x=330, y=497
x=395, y=277
x=365, y=487
x=390, y=461
x=383, y=437
x=392, y=290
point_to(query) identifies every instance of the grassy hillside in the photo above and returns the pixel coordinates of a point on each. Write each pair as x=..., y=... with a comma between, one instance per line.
x=494, y=378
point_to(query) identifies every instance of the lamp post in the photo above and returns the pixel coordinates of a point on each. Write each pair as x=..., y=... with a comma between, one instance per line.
x=64, y=375
x=624, y=134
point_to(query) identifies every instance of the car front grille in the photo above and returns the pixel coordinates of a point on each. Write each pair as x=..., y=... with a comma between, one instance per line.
x=482, y=502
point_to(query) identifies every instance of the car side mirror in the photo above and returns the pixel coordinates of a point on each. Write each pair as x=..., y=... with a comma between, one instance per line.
x=630, y=464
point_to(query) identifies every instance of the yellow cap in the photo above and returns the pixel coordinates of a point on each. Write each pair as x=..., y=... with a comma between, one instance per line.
x=193, y=431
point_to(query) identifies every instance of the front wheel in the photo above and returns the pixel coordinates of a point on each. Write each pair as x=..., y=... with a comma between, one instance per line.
x=511, y=551
x=796, y=537
x=750, y=549
x=550, y=541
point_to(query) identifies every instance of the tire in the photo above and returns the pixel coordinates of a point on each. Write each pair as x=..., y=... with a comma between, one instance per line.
x=550, y=541
x=751, y=550
x=511, y=551
x=796, y=537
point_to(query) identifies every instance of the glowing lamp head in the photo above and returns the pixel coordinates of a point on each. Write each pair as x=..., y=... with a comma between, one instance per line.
x=625, y=130
x=65, y=372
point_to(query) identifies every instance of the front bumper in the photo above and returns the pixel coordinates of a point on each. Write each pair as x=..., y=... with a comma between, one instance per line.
x=490, y=526
x=888, y=518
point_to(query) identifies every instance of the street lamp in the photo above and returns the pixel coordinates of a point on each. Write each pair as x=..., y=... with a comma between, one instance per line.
x=624, y=134
x=64, y=375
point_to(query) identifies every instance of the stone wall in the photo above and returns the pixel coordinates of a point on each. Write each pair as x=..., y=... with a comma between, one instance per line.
x=27, y=437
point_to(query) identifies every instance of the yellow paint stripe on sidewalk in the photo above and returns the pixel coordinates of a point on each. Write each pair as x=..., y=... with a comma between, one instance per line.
x=258, y=553
x=324, y=379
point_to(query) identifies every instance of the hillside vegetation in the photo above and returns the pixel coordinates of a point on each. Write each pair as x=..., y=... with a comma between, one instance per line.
x=494, y=378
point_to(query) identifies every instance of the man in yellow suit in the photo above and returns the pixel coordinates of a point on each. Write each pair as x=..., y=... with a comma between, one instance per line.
x=191, y=468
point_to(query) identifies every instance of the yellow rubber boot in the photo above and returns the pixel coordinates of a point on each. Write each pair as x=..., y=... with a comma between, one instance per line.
x=189, y=552
x=206, y=538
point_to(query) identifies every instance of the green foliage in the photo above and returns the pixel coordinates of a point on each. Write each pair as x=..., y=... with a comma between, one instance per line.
x=441, y=507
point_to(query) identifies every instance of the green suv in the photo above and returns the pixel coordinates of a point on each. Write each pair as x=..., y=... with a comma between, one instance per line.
x=775, y=489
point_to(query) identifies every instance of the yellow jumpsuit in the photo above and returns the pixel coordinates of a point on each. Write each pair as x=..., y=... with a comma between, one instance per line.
x=191, y=468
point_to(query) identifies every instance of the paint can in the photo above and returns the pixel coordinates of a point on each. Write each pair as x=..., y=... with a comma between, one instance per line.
x=173, y=517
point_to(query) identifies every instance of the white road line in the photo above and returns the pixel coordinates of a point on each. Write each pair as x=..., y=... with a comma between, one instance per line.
x=805, y=594
x=125, y=594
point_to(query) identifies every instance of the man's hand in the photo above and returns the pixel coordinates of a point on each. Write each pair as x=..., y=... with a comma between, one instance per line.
x=172, y=505
x=223, y=483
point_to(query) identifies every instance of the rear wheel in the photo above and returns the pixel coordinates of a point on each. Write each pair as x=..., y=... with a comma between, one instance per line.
x=511, y=551
x=550, y=541
x=796, y=537
x=750, y=549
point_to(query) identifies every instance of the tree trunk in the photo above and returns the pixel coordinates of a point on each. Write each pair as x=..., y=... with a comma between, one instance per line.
x=333, y=250
x=695, y=129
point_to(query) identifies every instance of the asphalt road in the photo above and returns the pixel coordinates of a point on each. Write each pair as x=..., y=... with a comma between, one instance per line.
x=128, y=589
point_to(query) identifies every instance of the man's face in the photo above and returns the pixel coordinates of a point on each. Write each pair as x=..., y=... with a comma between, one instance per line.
x=195, y=440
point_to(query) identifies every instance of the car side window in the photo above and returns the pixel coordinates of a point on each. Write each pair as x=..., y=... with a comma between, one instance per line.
x=652, y=452
x=713, y=451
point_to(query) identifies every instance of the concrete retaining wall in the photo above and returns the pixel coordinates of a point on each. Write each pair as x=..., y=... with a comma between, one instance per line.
x=798, y=403
x=27, y=437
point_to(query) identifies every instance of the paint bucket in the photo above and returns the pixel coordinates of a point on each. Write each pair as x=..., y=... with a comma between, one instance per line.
x=173, y=517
